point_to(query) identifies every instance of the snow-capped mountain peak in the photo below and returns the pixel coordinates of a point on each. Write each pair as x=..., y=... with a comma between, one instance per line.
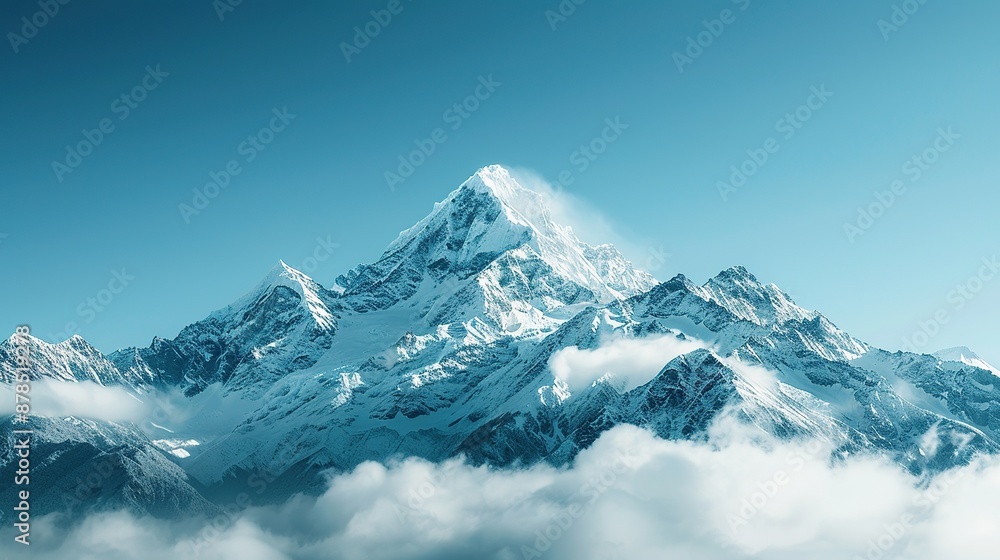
x=490, y=218
x=741, y=293
x=963, y=354
x=602, y=268
x=313, y=295
x=497, y=180
x=510, y=213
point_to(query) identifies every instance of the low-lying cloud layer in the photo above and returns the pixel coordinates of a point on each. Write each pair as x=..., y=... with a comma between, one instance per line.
x=630, y=496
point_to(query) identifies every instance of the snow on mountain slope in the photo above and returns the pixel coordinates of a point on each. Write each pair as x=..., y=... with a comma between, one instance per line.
x=739, y=291
x=492, y=220
x=312, y=296
x=73, y=359
x=442, y=392
x=951, y=389
x=732, y=306
x=284, y=324
x=963, y=355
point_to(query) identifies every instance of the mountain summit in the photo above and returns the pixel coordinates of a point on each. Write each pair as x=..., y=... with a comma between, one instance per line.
x=495, y=242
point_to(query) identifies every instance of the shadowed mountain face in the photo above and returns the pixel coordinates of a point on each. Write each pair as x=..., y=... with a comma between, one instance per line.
x=446, y=345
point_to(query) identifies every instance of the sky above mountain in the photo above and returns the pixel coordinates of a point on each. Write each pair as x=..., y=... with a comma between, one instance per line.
x=115, y=115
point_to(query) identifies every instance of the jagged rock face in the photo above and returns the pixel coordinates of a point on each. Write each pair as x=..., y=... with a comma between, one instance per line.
x=83, y=466
x=443, y=346
x=956, y=391
x=71, y=360
x=282, y=325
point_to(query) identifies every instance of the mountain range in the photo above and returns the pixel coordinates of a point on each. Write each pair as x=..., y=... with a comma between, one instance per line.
x=486, y=330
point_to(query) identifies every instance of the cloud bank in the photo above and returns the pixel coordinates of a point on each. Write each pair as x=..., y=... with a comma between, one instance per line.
x=630, y=496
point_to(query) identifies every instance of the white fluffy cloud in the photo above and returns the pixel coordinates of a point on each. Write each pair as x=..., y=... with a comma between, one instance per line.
x=632, y=360
x=631, y=495
x=85, y=399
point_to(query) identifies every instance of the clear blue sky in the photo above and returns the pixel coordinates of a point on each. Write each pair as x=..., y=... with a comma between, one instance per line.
x=322, y=176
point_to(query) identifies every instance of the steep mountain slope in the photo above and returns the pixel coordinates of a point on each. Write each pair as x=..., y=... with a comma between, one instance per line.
x=490, y=257
x=81, y=466
x=282, y=325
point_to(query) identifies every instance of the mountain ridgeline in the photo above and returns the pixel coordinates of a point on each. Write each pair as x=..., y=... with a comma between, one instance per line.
x=445, y=345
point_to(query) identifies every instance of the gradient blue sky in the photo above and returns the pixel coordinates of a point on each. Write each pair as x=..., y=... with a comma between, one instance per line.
x=323, y=177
